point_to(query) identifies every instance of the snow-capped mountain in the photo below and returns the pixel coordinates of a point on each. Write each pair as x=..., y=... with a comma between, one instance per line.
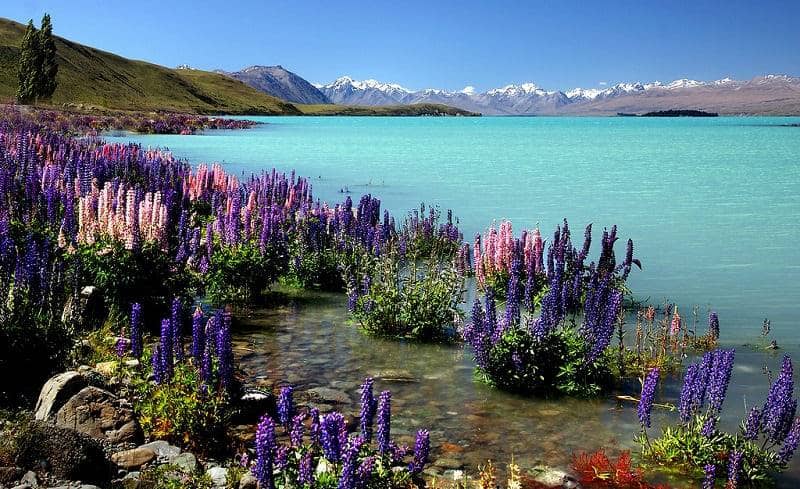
x=769, y=94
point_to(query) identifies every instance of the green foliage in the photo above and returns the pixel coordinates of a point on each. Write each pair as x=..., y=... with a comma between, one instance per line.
x=683, y=447
x=312, y=268
x=170, y=476
x=147, y=275
x=238, y=274
x=553, y=366
x=181, y=410
x=29, y=69
x=408, y=300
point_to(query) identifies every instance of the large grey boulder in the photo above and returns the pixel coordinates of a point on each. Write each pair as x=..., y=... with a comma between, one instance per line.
x=56, y=392
x=100, y=414
x=65, y=454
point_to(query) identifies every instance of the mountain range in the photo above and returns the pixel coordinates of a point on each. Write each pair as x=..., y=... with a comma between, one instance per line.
x=768, y=95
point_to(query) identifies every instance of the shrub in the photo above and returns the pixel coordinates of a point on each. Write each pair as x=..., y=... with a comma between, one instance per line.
x=763, y=447
x=400, y=298
x=237, y=274
x=314, y=261
x=549, y=354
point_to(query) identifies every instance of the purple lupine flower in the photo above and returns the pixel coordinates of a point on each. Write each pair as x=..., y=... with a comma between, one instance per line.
x=709, y=426
x=331, y=426
x=422, y=448
x=296, y=433
x=648, y=396
x=316, y=427
x=305, y=470
x=121, y=347
x=384, y=421
x=368, y=407
x=225, y=352
x=719, y=379
x=790, y=442
x=364, y=472
x=198, y=336
x=710, y=477
x=752, y=424
x=713, y=325
x=136, y=330
x=265, y=445
x=285, y=406
x=734, y=469
x=780, y=407
x=166, y=351
x=207, y=364
x=349, y=464
x=281, y=457
x=685, y=405
x=155, y=362
x=177, y=329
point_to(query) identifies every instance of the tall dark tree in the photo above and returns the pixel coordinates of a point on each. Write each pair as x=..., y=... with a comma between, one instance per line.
x=49, y=67
x=30, y=66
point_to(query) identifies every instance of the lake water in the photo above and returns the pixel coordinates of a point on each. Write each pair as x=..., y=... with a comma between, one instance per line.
x=712, y=205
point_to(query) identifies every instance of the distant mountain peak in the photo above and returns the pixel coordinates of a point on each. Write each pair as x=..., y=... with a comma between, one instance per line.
x=280, y=82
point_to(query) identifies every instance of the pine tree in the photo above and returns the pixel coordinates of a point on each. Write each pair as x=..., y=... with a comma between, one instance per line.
x=49, y=67
x=29, y=66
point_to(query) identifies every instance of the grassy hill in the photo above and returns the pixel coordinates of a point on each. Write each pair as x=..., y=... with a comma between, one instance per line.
x=95, y=78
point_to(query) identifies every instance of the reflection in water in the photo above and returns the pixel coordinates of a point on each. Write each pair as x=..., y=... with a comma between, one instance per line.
x=309, y=343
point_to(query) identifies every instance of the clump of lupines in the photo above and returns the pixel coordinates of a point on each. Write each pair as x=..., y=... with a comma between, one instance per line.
x=647, y=398
x=768, y=435
x=333, y=455
x=565, y=284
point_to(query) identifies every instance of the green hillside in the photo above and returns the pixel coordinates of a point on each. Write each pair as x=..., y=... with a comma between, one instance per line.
x=93, y=77
x=98, y=79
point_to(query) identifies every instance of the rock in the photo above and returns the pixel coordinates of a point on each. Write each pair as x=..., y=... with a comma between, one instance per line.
x=396, y=375
x=218, y=476
x=550, y=476
x=327, y=394
x=448, y=463
x=132, y=363
x=22, y=486
x=10, y=474
x=164, y=451
x=570, y=482
x=86, y=310
x=248, y=481
x=67, y=454
x=133, y=458
x=56, y=392
x=107, y=369
x=253, y=404
x=30, y=479
x=99, y=414
x=186, y=461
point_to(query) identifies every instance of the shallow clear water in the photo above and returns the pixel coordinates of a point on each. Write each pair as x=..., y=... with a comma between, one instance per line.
x=711, y=203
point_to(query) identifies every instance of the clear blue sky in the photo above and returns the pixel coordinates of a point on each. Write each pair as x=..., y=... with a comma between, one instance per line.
x=419, y=44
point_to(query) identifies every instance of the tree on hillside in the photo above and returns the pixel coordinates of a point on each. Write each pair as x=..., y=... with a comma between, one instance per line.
x=37, y=63
x=30, y=66
x=49, y=70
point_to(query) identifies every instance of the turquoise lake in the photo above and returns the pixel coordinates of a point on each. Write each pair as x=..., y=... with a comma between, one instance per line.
x=711, y=204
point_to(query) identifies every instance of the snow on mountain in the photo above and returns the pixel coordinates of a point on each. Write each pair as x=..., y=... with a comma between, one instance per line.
x=526, y=98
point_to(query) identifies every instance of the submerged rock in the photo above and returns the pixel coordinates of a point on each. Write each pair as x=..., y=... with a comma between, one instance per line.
x=326, y=394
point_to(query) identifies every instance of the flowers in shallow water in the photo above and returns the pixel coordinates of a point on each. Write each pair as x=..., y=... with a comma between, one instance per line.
x=422, y=448
x=790, y=443
x=648, y=396
x=265, y=446
x=734, y=469
x=384, y=422
x=780, y=408
x=368, y=407
x=710, y=477
x=719, y=378
x=713, y=325
x=285, y=406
